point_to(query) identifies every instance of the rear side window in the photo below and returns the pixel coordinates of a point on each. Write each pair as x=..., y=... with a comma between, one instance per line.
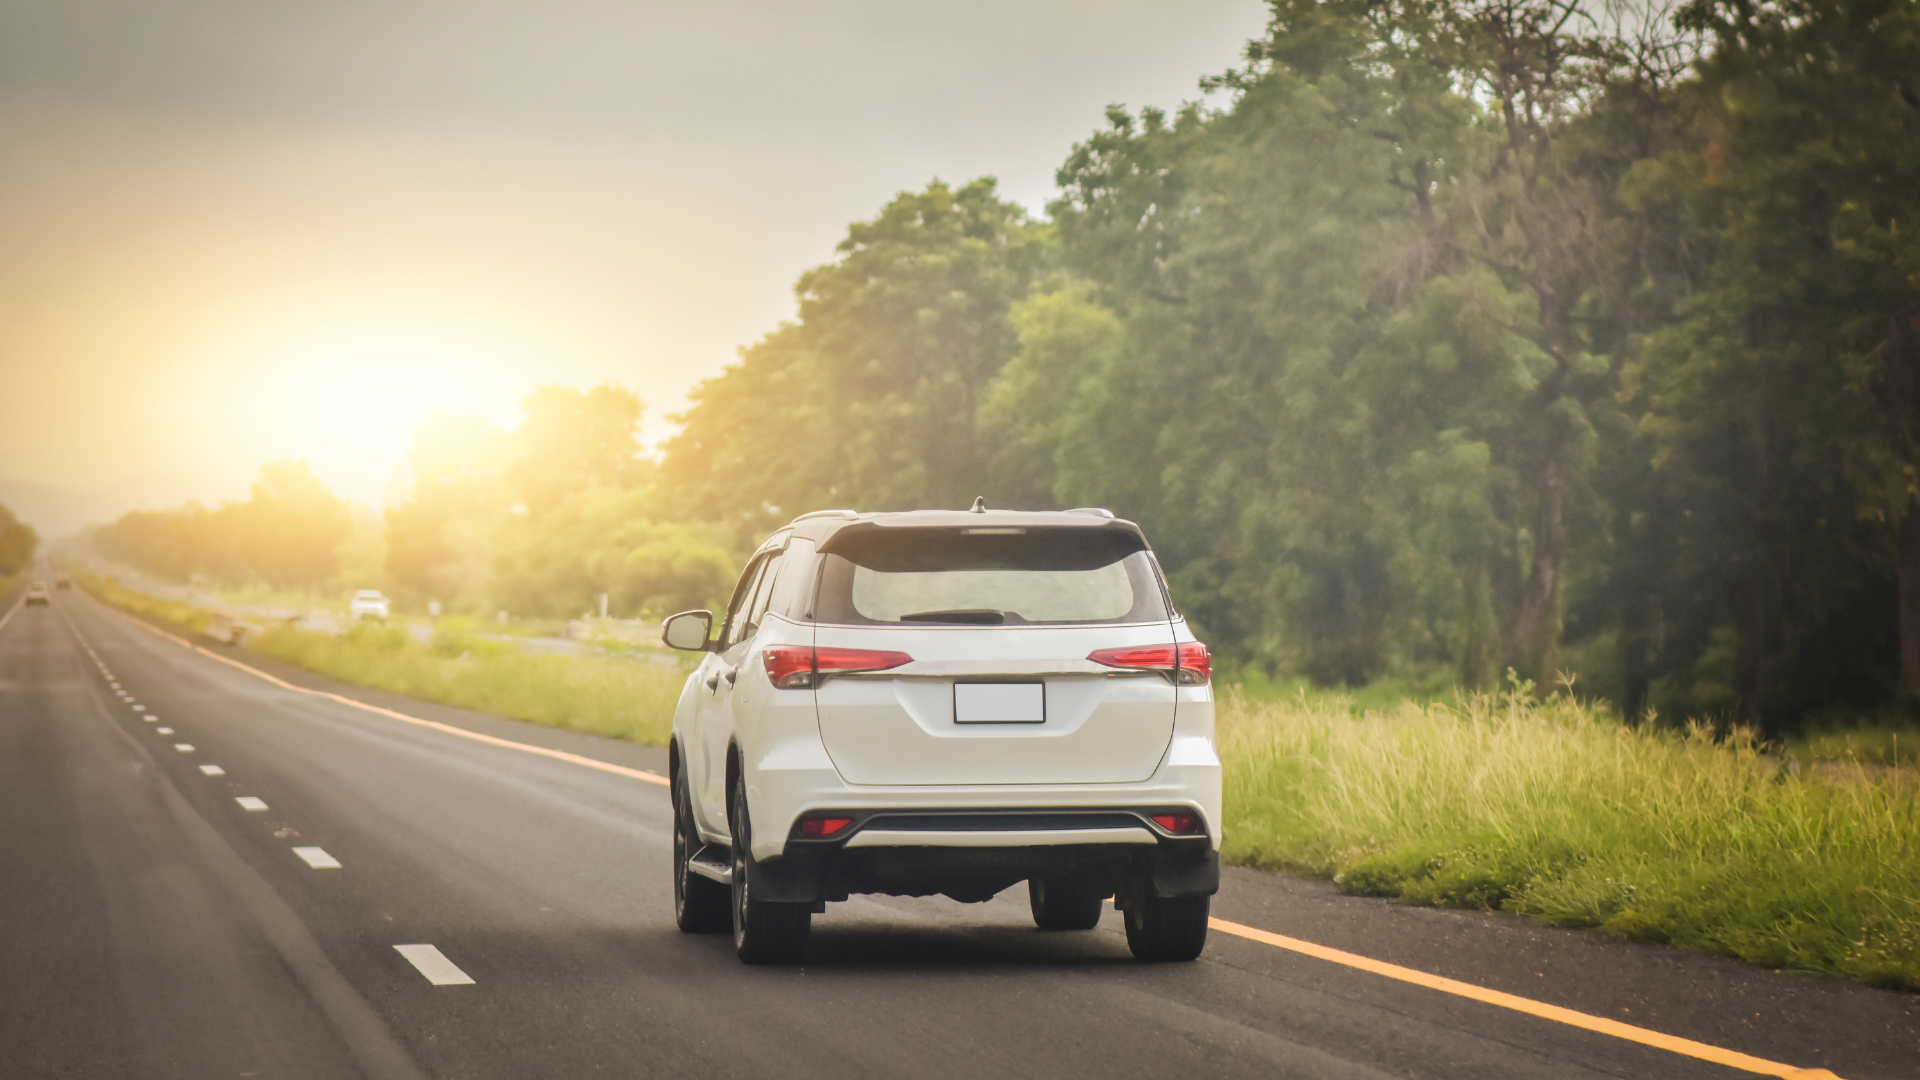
x=793, y=589
x=739, y=624
x=1001, y=576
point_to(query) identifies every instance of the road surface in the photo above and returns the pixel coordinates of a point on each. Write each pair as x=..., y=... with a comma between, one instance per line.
x=205, y=873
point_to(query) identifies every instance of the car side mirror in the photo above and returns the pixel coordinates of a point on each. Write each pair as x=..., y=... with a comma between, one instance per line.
x=688, y=630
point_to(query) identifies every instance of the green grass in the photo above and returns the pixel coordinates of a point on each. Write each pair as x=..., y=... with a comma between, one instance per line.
x=261, y=596
x=185, y=616
x=625, y=699
x=1555, y=810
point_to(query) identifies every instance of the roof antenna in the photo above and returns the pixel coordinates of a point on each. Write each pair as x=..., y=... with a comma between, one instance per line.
x=979, y=504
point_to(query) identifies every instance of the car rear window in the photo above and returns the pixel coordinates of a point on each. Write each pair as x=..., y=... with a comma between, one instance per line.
x=989, y=576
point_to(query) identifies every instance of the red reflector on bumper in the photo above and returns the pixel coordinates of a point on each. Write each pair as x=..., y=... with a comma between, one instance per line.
x=1178, y=823
x=823, y=826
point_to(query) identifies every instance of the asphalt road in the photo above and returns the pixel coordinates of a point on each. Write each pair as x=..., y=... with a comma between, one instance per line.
x=151, y=926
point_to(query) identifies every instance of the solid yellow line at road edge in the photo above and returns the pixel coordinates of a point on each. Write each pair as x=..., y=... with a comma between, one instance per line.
x=557, y=755
x=1672, y=1043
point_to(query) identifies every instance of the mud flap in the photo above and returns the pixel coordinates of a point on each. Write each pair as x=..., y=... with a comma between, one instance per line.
x=1184, y=873
x=789, y=879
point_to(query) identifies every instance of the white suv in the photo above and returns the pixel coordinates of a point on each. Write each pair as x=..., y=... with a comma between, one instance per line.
x=368, y=604
x=946, y=702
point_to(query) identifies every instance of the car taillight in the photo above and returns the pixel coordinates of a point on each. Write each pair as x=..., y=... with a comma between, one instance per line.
x=789, y=667
x=796, y=667
x=821, y=827
x=1178, y=824
x=1188, y=661
x=1194, y=665
x=844, y=661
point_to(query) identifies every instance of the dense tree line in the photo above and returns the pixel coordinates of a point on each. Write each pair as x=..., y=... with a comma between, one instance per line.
x=17, y=543
x=286, y=534
x=1472, y=336
x=546, y=518
x=539, y=520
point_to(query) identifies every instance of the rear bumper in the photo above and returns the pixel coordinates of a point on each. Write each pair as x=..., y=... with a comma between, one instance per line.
x=972, y=857
x=795, y=778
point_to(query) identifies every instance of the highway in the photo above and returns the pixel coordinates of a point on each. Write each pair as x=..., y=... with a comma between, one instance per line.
x=208, y=873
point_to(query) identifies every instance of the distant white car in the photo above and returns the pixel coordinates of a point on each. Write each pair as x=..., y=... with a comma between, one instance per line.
x=37, y=594
x=369, y=604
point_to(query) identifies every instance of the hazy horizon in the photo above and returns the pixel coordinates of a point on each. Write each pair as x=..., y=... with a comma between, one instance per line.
x=242, y=233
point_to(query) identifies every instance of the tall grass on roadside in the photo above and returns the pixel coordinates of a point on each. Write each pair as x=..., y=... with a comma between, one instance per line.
x=624, y=699
x=1555, y=810
x=186, y=616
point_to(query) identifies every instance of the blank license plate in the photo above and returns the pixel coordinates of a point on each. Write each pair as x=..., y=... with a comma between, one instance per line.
x=1000, y=703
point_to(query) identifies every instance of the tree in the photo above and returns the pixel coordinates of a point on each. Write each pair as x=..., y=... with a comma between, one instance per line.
x=17, y=543
x=569, y=441
x=440, y=542
x=871, y=398
x=1787, y=390
x=603, y=540
x=293, y=527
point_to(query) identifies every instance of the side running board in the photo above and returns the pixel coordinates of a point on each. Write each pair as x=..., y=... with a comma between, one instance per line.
x=713, y=862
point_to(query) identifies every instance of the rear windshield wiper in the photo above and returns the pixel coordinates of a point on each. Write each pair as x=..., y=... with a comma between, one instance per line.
x=979, y=616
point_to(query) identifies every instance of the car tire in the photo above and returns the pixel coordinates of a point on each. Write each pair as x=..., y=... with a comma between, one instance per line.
x=763, y=933
x=700, y=905
x=1166, y=928
x=1065, y=904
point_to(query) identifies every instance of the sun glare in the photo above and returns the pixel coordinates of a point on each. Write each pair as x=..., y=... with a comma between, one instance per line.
x=346, y=400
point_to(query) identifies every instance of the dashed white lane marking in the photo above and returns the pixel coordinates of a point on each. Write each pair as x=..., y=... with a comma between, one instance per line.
x=248, y=802
x=164, y=730
x=213, y=770
x=116, y=686
x=429, y=961
x=184, y=747
x=320, y=860
x=151, y=719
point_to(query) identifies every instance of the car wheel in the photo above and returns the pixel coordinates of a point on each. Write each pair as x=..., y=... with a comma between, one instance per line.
x=1065, y=904
x=763, y=933
x=700, y=905
x=1166, y=928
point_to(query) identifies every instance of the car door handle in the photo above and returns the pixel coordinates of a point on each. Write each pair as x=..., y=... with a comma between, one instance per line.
x=713, y=681
x=731, y=675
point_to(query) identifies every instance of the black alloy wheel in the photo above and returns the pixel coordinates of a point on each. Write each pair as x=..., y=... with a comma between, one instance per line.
x=1166, y=928
x=763, y=933
x=1065, y=904
x=700, y=905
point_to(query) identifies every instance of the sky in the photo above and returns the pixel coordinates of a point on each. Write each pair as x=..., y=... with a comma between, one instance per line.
x=242, y=230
